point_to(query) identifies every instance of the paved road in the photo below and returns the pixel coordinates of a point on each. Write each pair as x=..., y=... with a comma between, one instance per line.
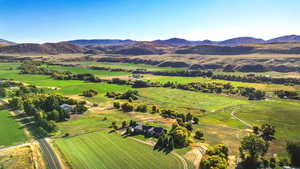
x=49, y=155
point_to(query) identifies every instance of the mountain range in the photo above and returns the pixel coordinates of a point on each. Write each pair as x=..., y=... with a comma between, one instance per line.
x=242, y=45
x=178, y=41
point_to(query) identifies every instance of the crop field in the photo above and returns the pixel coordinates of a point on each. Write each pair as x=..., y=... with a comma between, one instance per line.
x=128, y=66
x=188, y=99
x=110, y=151
x=284, y=115
x=79, y=70
x=185, y=80
x=11, y=132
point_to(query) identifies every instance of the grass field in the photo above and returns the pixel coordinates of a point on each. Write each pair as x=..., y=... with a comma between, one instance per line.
x=184, y=80
x=128, y=66
x=79, y=70
x=11, y=132
x=284, y=115
x=111, y=151
x=182, y=99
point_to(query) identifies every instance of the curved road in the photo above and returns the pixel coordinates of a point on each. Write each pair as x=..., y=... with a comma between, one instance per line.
x=49, y=155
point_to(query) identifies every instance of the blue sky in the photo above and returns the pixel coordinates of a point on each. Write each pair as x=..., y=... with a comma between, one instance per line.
x=59, y=20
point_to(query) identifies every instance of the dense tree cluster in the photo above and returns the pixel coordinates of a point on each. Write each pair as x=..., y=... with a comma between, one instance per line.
x=129, y=95
x=46, y=109
x=216, y=157
x=288, y=94
x=251, y=78
x=293, y=148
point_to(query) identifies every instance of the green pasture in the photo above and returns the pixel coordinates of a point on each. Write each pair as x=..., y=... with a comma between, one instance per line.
x=188, y=100
x=128, y=66
x=185, y=80
x=111, y=151
x=11, y=133
x=79, y=70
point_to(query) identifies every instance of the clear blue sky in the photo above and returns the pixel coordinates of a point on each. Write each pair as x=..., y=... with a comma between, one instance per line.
x=58, y=20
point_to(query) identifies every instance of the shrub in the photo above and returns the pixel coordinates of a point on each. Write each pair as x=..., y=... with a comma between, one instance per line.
x=199, y=134
x=116, y=105
x=126, y=107
x=141, y=108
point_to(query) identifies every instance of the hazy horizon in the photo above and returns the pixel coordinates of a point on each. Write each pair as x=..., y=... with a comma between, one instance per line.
x=54, y=21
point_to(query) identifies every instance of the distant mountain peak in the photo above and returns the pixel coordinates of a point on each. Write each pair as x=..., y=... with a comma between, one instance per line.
x=286, y=38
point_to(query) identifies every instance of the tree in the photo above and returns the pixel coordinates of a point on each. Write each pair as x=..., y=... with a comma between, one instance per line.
x=80, y=108
x=141, y=108
x=124, y=124
x=199, y=134
x=170, y=143
x=267, y=132
x=3, y=92
x=181, y=135
x=89, y=93
x=116, y=105
x=54, y=115
x=293, y=148
x=189, y=117
x=126, y=107
x=114, y=125
x=16, y=103
x=252, y=148
x=196, y=120
x=213, y=162
x=29, y=108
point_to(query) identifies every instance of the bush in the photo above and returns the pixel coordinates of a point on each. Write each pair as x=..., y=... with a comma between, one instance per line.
x=141, y=108
x=126, y=107
x=293, y=148
x=116, y=105
x=89, y=93
x=199, y=134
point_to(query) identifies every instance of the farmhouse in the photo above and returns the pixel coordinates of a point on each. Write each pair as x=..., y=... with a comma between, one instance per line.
x=148, y=130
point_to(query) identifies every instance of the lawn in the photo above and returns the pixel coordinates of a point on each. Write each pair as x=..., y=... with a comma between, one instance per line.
x=111, y=151
x=11, y=132
x=189, y=100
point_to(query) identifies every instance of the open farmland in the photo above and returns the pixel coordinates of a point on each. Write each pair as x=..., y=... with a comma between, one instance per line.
x=127, y=66
x=110, y=151
x=11, y=133
x=189, y=100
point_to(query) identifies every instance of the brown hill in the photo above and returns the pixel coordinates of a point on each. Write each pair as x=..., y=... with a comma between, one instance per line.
x=47, y=48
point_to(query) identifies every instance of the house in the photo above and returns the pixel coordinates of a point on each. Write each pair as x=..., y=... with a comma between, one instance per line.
x=66, y=107
x=151, y=131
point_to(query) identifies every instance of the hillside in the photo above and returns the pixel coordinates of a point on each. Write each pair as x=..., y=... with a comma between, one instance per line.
x=86, y=42
x=288, y=38
x=47, y=48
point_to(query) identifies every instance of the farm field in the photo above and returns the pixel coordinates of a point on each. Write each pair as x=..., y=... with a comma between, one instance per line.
x=11, y=132
x=110, y=151
x=185, y=80
x=78, y=70
x=128, y=66
x=189, y=100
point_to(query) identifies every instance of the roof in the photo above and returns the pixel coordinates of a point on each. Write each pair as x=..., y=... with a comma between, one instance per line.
x=65, y=106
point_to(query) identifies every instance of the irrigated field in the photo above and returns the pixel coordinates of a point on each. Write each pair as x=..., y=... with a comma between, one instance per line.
x=189, y=100
x=128, y=66
x=110, y=151
x=11, y=132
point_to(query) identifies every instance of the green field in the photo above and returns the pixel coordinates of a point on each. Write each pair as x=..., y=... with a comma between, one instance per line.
x=111, y=151
x=283, y=114
x=11, y=132
x=182, y=99
x=185, y=80
x=79, y=70
x=128, y=66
